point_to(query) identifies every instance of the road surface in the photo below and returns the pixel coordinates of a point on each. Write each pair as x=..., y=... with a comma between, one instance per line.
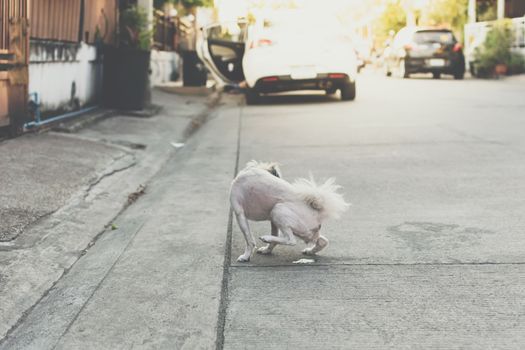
x=431, y=254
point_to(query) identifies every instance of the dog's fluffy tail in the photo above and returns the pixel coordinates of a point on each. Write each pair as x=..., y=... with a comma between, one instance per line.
x=324, y=198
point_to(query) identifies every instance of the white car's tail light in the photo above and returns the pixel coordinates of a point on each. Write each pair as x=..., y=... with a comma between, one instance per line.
x=261, y=43
x=270, y=79
x=336, y=76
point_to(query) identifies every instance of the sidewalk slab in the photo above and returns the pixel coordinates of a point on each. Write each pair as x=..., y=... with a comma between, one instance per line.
x=377, y=307
x=155, y=282
x=40, y=172
x=32, y=263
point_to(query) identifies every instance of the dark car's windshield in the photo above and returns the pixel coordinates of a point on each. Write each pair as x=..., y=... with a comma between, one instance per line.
x=433, y=36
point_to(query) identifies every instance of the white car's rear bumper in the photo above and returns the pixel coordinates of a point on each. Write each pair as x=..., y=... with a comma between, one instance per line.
x=260, y=65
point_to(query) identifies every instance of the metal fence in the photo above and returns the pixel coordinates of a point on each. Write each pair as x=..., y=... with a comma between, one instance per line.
x=55, y=20
x=165, y=32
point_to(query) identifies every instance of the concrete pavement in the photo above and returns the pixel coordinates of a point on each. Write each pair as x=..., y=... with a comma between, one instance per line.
x=80, y=183
x=430, y=255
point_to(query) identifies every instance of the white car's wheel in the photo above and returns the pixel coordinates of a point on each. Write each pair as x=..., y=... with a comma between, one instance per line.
x=348, y=91
x=401, y=70
x=252, y=97
x=386, y=70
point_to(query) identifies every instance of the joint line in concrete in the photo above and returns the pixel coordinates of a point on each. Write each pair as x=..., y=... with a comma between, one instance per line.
x=223, y=302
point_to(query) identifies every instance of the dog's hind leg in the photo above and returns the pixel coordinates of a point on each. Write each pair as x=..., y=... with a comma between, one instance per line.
x=280, y=216
x=268, y=249
x=320, y=244
x=250, y=241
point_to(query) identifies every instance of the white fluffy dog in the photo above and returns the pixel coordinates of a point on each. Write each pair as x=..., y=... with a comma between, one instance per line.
x=259, y=193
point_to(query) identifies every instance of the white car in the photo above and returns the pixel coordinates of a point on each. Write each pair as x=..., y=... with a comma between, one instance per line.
x=282, y=55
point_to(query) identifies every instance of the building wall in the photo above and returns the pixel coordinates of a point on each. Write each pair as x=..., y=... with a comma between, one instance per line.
x=66, y=76
x=515, y=8
x=100, y=21
x=64, y=68
x=165, y=67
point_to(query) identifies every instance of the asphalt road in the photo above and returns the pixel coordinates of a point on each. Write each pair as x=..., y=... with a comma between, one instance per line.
x=430, y=255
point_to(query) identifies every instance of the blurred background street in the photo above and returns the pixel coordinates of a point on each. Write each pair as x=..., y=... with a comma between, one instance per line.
x=123, y=123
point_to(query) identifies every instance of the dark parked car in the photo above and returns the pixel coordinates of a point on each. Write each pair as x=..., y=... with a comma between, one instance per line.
x=425, y=50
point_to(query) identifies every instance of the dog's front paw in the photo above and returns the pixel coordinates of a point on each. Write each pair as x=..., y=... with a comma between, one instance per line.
x=308, y=251
x=266, y=239
x=243, y=258
x=264, y=251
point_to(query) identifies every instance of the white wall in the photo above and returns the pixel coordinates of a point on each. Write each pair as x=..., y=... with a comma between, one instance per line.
x=163, y=66
x=55, y=67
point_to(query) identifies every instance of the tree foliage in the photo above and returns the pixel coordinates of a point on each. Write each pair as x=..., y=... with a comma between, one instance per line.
x=393, y=18
x=449, y=13
x=487, y=10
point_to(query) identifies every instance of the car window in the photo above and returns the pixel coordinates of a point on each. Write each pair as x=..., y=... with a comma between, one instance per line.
x=429, y=36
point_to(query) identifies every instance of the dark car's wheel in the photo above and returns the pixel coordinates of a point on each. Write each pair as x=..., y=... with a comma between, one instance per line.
x=473, y=70
x=459, y=75
x=348, y=91
x=436, y=75
x=252, y=97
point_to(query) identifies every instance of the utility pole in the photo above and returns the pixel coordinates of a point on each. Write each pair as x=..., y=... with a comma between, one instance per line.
x=501, y=9
x=472, y=11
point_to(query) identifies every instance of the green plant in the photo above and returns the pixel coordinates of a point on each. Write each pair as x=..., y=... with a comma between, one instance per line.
x=516, y=63
x=135, y=29
x=195, y=3
x=184, y=3
x=496, y=50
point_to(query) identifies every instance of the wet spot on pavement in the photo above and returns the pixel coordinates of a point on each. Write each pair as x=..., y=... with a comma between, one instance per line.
x=420, y=236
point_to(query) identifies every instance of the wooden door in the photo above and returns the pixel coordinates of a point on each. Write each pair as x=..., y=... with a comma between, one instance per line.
x=14, y=60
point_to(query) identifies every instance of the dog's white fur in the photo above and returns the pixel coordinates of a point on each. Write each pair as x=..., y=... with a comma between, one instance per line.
x=259, y=193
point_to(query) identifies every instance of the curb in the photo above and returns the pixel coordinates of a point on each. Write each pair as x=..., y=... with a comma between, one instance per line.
x=82, y=121
x=200, y=119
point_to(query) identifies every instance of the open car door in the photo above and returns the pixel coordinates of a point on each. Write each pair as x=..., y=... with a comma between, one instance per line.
x=222, y=49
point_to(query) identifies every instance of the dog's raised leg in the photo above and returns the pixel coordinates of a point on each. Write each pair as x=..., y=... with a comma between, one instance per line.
x=288, y=239
x=268, y=249
x=280, y=216
x=250, y=241
x=320, y=244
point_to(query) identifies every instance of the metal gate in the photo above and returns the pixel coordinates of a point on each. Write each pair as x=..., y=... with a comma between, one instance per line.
x=14, y=59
